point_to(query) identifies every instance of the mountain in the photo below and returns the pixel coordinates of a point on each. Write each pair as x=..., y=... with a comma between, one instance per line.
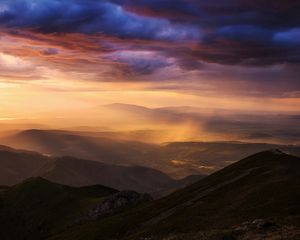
x=33, y=208
x=177, y=159
x=141, y=113
x=77, y=172
x=66, y=143
x=255, y=198
x=259, y=186
x=196, y=123
x=208, y=157
x=262, y=186
x=18, y=165
x=171, y=124
x=127, y=107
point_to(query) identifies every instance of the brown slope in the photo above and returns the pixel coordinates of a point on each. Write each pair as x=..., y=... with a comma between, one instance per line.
x=17, y=165
x=77, y=172
x=66, y=143
x=264, y=185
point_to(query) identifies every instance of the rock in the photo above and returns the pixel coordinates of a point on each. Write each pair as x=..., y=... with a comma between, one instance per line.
x=263, y=224
x=115, y=204
x=256, y=225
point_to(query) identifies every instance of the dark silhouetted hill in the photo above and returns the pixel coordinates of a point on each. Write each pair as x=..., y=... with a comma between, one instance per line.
x=262, y=186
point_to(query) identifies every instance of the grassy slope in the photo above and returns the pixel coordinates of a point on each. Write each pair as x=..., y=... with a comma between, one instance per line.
x=265, y=185
x=36, y=207
x=77, y=172
x=17, y=165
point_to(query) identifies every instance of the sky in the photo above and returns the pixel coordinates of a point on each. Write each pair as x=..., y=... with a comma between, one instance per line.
x=64, y=55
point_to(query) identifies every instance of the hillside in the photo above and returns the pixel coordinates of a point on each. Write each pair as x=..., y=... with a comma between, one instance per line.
x=264, y=185
x=177, y=159
x=76, y=144
x=18, y=165
x=208, y=157
x=77, y=172
x=35, y=207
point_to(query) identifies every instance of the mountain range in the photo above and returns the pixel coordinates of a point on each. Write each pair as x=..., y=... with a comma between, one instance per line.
x=18, y=165
x=177, y=159
x=261, y=190
x=183, y=123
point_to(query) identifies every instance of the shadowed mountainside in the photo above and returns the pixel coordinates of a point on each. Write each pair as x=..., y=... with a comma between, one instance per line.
x=262, y=186
x=77, y=172
x=265, y=185
x=17, y=165
x=35, y=207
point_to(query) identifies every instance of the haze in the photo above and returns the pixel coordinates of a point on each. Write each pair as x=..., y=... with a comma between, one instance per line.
x=57, y=71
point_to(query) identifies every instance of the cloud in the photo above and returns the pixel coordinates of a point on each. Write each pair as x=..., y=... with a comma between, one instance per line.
x=227, y=32
x=142, y=62
x=217, y=13
x=244, y=33
x=248, y=44
x=289, y=37
x=65, y=16
x=13, y=68
x=50, y=51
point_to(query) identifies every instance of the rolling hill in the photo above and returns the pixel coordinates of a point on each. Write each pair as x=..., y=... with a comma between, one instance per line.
x=177, y=159
x=77, y=172
x=18, y=165
x=35, y=207
x=262, y=186
x=80, y=145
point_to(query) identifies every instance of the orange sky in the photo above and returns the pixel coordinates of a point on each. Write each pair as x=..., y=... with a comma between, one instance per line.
x=52, y=74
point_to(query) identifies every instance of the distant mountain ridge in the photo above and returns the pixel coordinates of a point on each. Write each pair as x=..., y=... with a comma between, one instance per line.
x=66, y=143
x=177, y=159
x=123, y=106
x=77, y=172
x=18, y=165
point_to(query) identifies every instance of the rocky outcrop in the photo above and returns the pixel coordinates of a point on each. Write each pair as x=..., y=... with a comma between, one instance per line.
x=257, y=224
x=116, y=204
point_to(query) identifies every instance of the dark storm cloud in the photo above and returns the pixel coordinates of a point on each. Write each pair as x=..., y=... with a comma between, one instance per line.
x=235, y=31
x=65, y=16
x=248, y=33
x=223, y=12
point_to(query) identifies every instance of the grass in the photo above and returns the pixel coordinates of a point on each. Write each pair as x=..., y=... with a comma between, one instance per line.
x=265, y=185
x=37, y=208
x=262, y=186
